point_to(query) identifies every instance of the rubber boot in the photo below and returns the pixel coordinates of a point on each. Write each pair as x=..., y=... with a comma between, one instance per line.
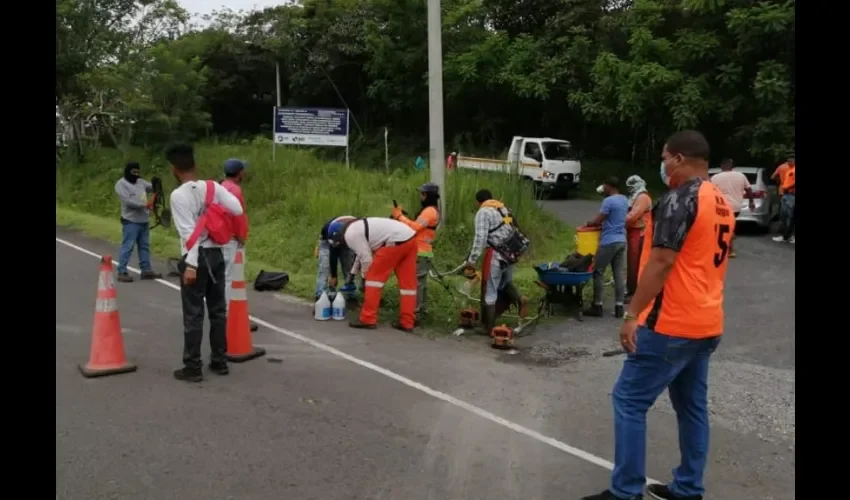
x=488, y=318
x=520, y=301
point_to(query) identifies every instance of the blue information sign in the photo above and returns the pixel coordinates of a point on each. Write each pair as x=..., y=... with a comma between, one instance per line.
x=311, y=126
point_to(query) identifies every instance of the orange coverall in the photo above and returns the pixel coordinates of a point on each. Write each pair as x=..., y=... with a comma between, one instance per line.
x=384, y=246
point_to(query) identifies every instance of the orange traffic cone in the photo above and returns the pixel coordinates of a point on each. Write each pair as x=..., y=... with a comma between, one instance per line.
x=107, y=345
x=239, y=346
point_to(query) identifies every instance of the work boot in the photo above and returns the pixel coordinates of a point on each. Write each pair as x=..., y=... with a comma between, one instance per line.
x=595, y=310
x=520, y=301
x=398, y=326
x=488, y=318
x=361, y=326
x=188, y=374
x=125, y=278
x=619, y=312
x=219, y=368
x=662, y=492
x=150, y=275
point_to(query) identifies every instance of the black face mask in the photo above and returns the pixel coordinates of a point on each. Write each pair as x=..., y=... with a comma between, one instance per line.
x=130, y=176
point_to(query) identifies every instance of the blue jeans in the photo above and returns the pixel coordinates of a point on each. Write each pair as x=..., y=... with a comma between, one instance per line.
x=786, y=210
x=662, y=362
x=139, y=234
x=323, y=271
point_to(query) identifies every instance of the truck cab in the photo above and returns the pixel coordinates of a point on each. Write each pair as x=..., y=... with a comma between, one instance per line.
x=551, y=164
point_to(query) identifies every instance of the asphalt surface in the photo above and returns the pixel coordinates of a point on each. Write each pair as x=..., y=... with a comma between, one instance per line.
x=380, y=414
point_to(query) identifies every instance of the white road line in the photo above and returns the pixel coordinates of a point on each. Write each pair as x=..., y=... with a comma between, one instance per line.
x=578, y=453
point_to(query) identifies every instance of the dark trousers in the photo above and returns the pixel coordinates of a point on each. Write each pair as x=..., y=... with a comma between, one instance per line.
x=210, y=286
x=791, y=226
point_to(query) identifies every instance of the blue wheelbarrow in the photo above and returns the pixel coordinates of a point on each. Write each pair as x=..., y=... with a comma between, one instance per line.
x=562, y=287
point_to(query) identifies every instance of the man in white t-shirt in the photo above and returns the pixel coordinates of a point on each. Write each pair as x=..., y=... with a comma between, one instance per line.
x=735, y=186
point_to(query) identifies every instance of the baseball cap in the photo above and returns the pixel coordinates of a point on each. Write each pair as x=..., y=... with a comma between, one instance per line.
x=233, y=166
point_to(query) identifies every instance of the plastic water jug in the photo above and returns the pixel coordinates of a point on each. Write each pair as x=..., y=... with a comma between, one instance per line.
x=322, y=311
x=338, y=307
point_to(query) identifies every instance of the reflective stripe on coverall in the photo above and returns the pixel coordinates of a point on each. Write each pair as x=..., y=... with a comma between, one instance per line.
x=401, y=259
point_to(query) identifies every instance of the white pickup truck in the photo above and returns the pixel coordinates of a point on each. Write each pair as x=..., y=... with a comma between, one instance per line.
x=550, y=163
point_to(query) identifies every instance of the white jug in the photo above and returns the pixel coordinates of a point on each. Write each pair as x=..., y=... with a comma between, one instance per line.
x=322, y=311
x=338, y=307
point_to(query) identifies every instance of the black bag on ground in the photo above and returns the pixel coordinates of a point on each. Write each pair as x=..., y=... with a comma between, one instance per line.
x=270, y=281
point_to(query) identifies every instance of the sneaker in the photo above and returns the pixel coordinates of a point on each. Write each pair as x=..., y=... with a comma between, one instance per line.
x=662, y=492
x=219, y=368
x=362, y=326
x=188, y=375
x=607, y=495
x=594, y=310
x=792, y=240
x=150, y=275
x=125, y=278
x=400, y=327
x=779, y=239
x=732, y=255
x=254, y=327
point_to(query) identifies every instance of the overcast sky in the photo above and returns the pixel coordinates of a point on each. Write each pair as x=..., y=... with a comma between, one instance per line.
x=207, y=6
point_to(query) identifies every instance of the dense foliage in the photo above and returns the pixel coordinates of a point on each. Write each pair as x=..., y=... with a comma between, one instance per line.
x=614, y=76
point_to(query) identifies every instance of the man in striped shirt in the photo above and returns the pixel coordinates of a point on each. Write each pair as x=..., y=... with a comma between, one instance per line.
x=497, y=275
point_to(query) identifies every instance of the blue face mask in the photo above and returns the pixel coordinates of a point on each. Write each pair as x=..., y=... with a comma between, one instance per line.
x=664, y=178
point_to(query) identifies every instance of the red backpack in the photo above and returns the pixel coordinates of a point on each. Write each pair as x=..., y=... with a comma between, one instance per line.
x=215, y=219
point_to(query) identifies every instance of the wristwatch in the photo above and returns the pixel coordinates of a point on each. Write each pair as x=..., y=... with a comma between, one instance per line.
x=627, y=316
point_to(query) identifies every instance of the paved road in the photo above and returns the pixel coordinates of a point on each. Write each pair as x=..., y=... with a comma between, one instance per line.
x=371, y=415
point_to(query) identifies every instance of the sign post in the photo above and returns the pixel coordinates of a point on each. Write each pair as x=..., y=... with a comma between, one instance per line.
x=312, y=127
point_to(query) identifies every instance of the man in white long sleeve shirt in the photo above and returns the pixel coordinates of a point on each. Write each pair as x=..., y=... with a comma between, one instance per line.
x=382, y=246
x=202, y=266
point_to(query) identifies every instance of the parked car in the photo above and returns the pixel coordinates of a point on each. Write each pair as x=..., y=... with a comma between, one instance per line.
x=765, y=193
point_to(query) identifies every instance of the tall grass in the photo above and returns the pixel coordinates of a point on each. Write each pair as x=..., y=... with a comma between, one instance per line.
x=289, y=200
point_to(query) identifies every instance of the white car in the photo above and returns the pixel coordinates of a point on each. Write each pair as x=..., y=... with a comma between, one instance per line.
x=765, y=194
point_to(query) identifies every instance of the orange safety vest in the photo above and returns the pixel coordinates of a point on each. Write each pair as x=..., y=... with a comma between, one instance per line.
x=425, y=226
x=691, y=303
x=643, y=220
x=789, y=181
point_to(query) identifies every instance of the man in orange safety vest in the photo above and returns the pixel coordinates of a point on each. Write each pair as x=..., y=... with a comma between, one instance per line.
x=425, y=224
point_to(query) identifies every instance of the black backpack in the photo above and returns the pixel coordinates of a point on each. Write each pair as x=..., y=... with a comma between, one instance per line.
x=516, y=244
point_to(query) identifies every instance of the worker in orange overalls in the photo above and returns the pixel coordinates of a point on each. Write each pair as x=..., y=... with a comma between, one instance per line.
x=425, y=225
x=381, y=246
x=640, y=207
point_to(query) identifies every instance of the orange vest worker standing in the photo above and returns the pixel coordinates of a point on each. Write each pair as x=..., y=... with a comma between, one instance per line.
x=382, y=246
x=673, y=324
x=425, y=225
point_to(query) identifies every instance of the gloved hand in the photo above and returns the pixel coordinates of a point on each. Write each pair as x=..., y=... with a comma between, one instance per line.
x=397, y=212
x=151, y=202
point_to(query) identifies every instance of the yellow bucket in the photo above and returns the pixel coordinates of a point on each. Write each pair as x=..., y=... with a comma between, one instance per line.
x=587, y=240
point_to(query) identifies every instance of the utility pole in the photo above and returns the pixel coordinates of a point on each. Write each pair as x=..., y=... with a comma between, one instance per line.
x=277, y=81
x=435, y=102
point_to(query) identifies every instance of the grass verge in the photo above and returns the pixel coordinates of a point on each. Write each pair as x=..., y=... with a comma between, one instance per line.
x=290, y=199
